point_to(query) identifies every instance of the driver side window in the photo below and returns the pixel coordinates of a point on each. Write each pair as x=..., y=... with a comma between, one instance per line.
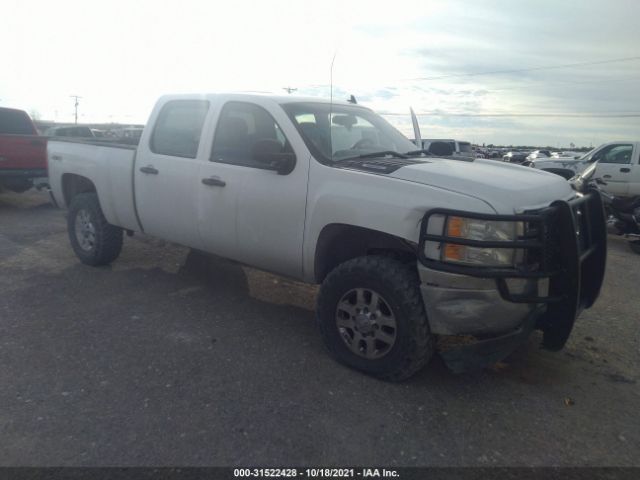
x=618, y=154
x=244, y=130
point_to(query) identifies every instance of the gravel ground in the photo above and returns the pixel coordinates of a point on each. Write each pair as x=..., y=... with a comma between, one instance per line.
x=169, y=357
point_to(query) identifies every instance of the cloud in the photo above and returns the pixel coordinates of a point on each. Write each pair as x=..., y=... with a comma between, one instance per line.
x=120, y=62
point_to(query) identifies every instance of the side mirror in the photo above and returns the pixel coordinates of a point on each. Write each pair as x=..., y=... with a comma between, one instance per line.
x=269, y=155
x=441, y=149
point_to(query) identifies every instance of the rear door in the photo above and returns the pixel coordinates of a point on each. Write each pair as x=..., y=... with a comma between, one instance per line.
x=615, y=167
x=166, y=172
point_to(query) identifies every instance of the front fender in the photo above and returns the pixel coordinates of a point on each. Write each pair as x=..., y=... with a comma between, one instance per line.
x=372, y=201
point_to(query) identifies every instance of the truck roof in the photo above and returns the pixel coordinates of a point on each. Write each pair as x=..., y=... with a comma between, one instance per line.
x=280, y=99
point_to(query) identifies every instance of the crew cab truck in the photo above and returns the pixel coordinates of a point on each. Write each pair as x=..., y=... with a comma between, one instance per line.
x=407, y=247
x=618, y=164
x=23, y=153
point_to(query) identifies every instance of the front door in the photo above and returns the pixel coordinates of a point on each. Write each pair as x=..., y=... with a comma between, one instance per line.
x=615, y=168
x=246, y=212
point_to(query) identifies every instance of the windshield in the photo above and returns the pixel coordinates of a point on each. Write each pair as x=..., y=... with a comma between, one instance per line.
x=346, y=132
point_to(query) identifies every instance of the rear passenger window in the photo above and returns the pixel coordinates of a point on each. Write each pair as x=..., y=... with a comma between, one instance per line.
x=244, y=129
x=15, y=122
x=178, y=128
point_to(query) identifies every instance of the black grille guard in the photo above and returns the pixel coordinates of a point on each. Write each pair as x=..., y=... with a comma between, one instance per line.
x=569, y=243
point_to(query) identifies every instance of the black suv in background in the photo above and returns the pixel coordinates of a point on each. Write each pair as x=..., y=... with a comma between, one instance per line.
x=515, y=157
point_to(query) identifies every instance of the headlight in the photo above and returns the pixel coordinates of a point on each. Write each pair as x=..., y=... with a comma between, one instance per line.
x=473, y=229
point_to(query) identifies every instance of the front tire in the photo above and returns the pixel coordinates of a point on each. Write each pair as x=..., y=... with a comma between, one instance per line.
x=372, y=318
x=94, y=240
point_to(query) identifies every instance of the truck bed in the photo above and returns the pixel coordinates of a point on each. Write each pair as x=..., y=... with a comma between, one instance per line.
x=108, y=165
x=127, y=143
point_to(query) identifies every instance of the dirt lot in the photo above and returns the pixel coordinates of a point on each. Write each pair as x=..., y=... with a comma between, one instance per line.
x=170, y=358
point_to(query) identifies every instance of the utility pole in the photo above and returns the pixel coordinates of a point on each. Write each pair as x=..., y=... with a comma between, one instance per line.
x=289, y=90
x=76, y=97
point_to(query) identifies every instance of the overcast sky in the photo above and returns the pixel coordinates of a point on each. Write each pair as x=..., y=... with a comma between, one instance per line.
x=465, y=61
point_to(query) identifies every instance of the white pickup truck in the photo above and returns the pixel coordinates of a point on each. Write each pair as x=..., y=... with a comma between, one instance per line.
x=618, y=164
x=407, y=247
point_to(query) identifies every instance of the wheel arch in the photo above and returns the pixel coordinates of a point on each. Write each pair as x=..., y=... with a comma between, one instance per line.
x=338, y=243
x=73, y=184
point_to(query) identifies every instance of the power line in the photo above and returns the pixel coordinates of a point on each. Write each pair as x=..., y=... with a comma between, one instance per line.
x=561, y=84
x=547, y=115
x=518, y=70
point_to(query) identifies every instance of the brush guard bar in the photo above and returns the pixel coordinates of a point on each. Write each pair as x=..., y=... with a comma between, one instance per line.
x=565, y=243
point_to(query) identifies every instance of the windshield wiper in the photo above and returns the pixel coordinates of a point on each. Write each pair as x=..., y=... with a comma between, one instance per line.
x=385, y=153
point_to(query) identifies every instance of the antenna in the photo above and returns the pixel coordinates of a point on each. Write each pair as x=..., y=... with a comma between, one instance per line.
x=331, y=103
x=289, y=90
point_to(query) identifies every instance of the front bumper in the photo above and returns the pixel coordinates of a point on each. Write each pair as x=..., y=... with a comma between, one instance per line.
x=476, y=326
x=462, y=305
x=23, y=173
x=566, y=252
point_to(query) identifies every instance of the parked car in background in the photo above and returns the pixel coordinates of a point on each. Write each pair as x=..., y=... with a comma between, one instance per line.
x=566, y=154
x=538, y=154
x=132, y=133
x=23, y=152
x=76, y=131
x=515, y=156
x=459, y=148
x=617, y=165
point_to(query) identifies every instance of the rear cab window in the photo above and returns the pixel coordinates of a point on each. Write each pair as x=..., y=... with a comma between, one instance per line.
x=15, y=122
x=178, y=128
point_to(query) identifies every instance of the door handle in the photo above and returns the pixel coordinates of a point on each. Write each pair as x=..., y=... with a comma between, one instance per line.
x=149, y=169
x=214, y=182
x=625, y=170
x=606, y=176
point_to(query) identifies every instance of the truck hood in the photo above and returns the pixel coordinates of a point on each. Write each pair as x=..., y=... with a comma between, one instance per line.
x=506, y=187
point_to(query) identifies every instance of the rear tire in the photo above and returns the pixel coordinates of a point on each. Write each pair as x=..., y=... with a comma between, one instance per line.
x=352, y=338
x=94, y=240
